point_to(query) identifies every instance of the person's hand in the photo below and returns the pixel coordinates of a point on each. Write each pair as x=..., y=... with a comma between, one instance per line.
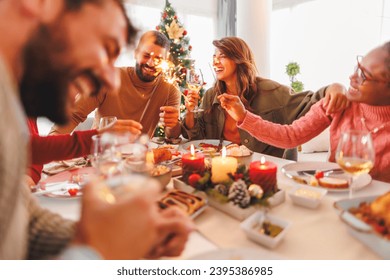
x=335, y=99
x=121, y=229
x=121, y=126
x=30, y=183
x=169, y=115
x=233, y=105
x=174, y=227
x=191, y=100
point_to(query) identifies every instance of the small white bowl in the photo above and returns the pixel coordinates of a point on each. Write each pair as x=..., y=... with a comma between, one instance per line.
x=251, y=228
x=309, y=197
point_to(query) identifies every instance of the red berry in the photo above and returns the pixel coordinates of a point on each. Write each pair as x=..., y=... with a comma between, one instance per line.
x=73, y=192
x=193, y=179
x=238, y=176
x=184, y=32
x=319, y=175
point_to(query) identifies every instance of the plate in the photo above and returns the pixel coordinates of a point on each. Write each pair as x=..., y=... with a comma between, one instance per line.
x=238, y=254
x=196, y=143
x=361, y=230
x=128, y=149
x=64, y=192
x=292, y=169
x=67, y=177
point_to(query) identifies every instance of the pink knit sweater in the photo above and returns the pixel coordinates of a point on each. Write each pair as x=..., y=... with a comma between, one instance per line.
x=315, y=121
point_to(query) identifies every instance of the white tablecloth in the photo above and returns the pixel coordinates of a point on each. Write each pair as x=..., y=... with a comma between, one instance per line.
x=314, y=233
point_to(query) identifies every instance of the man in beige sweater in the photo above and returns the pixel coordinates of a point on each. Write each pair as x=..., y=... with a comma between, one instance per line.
x=143, y=95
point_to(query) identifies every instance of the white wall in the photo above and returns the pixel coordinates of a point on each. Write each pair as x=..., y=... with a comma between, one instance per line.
x=324, y=37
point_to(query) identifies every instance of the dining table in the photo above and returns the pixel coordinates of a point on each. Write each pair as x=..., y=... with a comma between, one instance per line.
x=314, y=234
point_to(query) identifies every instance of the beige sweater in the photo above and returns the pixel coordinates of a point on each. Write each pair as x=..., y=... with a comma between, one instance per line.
x=129, y=102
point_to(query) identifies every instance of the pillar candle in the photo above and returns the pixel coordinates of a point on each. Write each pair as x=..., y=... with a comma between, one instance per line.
x=192, y=163
x=263, y=173
x=221, y=166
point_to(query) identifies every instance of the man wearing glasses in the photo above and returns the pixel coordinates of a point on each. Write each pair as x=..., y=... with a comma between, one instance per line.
x=369, y=94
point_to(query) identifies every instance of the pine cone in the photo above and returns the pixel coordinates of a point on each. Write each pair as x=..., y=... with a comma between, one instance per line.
x=239, y=194
x=222, y=189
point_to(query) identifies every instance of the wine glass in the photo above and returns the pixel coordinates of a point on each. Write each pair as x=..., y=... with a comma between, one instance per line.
x=355, y=154
x=107, y=121
x=195, y=83
x=106, y=156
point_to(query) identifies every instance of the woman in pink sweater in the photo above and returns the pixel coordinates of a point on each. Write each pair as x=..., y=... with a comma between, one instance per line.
x=369, y=94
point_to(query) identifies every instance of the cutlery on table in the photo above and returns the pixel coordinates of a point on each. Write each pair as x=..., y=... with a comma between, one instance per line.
x=327, y=172
x=297, y=179
x=220, y=144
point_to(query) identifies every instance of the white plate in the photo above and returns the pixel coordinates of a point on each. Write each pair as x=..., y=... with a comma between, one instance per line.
x=64, y=193
x=292, y=169
x=128, y=149
x=67, y=176
x=196, y=143
x=238, y=254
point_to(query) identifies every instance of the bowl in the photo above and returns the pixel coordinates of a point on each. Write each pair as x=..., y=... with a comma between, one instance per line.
x=253, y=224
x=309, y=197
x=162, y=173
x=241, y=153
x=244, y=159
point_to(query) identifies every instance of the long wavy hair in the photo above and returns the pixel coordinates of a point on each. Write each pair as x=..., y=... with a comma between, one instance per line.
x=386, y=46
x=237, y=50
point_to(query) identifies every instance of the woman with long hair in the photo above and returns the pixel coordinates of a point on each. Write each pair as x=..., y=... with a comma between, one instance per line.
x=236, y=74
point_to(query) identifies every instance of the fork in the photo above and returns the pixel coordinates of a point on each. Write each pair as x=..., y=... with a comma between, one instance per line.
x=326, y=172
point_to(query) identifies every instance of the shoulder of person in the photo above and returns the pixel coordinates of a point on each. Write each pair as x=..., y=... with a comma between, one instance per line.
x=268, y=85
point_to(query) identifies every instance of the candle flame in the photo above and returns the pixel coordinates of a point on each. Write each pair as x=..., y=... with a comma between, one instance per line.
x=192, y=150
x=262, y=160
x=224, y=152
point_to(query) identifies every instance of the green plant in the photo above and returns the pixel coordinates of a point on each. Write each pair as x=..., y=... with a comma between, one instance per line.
x=292, y=70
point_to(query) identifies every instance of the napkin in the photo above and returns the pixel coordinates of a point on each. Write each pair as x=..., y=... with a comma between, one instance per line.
x=63, y=165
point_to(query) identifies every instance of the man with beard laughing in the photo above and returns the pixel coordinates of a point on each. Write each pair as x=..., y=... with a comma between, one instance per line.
x=82, y=36
x=143, y=96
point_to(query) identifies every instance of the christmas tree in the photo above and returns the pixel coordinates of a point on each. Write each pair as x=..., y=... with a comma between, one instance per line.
x=180, y=50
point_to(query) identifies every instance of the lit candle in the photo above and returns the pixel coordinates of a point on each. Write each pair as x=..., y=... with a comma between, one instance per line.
x=221, y=166
x=192, y=163
x=263, y=173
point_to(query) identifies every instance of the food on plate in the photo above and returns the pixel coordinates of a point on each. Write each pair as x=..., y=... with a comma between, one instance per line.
x=159, y=170
x=205, y=147
x=333, y=183
x=73, y=191
x=381, y=207
x=189, y=203
x=376, y=214
x=161, y=154
x=237, y=150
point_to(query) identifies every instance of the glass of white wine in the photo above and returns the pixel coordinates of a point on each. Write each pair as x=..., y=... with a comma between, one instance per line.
x=106, y=156
x=355, y=154
x=195, y=83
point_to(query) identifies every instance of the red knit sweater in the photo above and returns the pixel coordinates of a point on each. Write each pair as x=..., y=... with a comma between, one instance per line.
x=45, y=149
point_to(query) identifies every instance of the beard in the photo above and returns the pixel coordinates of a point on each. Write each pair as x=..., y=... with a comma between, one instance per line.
x=45, y=82
x=143, y=77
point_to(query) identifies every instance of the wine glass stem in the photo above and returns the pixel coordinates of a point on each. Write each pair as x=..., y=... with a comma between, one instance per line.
x=351, y=186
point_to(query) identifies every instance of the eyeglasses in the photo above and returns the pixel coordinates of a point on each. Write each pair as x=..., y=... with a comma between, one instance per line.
x=364, y=75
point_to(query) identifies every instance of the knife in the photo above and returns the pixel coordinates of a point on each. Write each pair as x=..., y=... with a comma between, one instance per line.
x=297, y=179
x=220, y=144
